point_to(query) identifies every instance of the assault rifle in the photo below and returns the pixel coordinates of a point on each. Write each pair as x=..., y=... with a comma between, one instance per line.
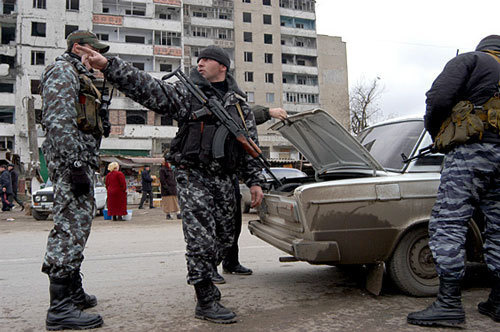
x=213, y=106
x=422, y=152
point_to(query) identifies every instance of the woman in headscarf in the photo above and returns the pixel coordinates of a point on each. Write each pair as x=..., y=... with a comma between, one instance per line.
x=117, y=192
x=169, y=201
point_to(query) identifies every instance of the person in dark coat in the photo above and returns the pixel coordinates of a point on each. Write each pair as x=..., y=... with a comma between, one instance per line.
x=147, y=188
x=169, y=202
x=469, y=180
x=6, y=188
x=15, y=180
x=116, y=187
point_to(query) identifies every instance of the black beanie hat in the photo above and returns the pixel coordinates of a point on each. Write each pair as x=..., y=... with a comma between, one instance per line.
x=491, y=42
x=215, y=53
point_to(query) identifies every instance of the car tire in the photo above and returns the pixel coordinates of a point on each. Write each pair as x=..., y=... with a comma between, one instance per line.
x=412, y=267
x=39, y=215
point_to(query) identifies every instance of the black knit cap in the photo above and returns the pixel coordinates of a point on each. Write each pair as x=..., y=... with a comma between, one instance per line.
x=492, y=42
x=215, y=53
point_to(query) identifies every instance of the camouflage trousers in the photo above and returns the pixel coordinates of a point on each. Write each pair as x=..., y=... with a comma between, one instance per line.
x=72, y=221
x=470, y=180
x=207, y=203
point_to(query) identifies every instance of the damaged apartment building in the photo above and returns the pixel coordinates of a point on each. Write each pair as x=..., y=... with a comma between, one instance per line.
x=277, y=57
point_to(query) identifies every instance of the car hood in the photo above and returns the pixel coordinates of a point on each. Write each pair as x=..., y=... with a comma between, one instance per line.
x=325, y=143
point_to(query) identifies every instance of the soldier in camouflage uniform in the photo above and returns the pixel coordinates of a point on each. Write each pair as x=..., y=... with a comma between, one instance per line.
x=71, y=152
x=205, y=189
x=470, y=180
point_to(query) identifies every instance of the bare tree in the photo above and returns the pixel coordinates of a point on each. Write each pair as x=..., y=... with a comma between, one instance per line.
x=362, y=103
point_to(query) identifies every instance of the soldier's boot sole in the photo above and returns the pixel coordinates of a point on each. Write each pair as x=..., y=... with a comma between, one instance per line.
x=486, y=309
x=216, y=320
x=68, y=326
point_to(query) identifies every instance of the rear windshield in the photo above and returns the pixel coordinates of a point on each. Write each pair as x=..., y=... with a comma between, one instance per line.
x=386, y=143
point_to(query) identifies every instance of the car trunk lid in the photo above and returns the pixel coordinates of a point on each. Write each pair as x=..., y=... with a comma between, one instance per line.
x=325, y=143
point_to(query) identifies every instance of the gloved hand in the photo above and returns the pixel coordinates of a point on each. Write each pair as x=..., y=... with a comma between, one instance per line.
x=80, y=182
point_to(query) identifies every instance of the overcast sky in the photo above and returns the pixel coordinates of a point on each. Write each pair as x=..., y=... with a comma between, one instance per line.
x=405, y=43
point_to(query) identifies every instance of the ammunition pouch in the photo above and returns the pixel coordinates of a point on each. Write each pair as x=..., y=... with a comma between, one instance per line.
x=468, y=122
x=89, y=100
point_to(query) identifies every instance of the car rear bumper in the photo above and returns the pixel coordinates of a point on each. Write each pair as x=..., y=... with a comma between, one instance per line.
x=304, y=250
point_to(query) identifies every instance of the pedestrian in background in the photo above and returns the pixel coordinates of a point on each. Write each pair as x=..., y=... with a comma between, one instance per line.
x=147, y=188
x=168, y=189
x=116, y=187
x=71, y=104
x=469, y=84
x=6, y=188
x=15, y=183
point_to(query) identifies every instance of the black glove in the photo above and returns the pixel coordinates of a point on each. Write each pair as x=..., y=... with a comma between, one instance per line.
x=80, y=182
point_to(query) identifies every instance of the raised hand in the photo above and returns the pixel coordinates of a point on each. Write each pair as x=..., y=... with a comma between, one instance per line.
x=91, y=58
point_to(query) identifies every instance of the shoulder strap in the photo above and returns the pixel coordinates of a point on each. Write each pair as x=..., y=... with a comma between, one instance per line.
x=240, y=111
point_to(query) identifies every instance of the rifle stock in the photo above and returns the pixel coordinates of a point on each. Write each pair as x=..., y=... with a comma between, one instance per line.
x=227, y=121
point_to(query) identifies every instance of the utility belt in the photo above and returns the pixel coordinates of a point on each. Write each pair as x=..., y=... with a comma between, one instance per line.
x=468, y=122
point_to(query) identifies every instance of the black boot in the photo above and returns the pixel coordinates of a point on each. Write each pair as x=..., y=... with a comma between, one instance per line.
x=492, y=306
x=447, y=310
x=63, y=314
x=81, y=299
x=208, y=307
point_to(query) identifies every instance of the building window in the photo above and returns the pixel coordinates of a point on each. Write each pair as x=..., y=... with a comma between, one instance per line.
x=35, y=87
x=72, y=4
x=41, y=4
x=268, y=57
x=136, y=117
x=269, y=78
x=268, y=39
x=7, y=115
x=299, y=25
x=299, y=43
x=246, y=1
x=166, y=120
x=134, y=39
x=200, y=14
x=269, y=97
x=138, y=65
x=267, y=19
x=7, y=87
x=249, y=76
x=301, y=62
x=165, y=67
x=247, y=37
x=37, y=58
x=247, y=17
x=250, y=97
x=69, y=29
x=200, y=31
x=38, y=29
x=105, y=9
x=266, y=2
x=103, y=36
x=248, y=56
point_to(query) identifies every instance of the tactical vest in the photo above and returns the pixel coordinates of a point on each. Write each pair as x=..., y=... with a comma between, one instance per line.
x=203, y=139
x=89, y=100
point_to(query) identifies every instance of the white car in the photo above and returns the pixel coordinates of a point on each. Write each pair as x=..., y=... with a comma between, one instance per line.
x=42, y=200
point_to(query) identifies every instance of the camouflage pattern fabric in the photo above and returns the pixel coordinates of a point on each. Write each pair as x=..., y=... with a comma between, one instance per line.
x=207, y=204
x=470, y=179
x=72, y=221
x=64, y=144
x=206, y=193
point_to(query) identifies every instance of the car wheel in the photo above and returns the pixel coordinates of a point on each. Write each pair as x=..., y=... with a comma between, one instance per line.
x=412, y=267
x=39, y=215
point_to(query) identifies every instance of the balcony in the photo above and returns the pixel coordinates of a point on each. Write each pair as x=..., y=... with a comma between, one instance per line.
x=298, y=32
x=172, y=3
x=146, y=23
x=299, y=50
x=297, y=13
x=7, y=99
x=130, y=48
x=310, y=70
x=8, y=50
x=8, y=129
x=300, y=88
x=211, y=22
x=198, y=41
x=146, y=131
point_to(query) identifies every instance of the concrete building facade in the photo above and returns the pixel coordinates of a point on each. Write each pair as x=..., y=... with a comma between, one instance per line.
x=277, y=59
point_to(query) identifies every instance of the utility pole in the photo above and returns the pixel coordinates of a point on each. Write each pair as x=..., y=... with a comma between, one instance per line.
x=33, y=175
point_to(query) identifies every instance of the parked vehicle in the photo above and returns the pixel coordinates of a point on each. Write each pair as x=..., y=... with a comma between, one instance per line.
x=43, y=199
x=363, y=206
x=279, y=172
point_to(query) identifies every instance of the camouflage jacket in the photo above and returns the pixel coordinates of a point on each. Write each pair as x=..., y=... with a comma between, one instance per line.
x=175, y=100
x=65, y=143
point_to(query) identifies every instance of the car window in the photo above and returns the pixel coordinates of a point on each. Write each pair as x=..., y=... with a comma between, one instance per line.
x=386, y=143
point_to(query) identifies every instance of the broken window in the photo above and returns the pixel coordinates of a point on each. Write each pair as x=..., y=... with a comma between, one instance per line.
x=8, y=34
x=136, y=117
